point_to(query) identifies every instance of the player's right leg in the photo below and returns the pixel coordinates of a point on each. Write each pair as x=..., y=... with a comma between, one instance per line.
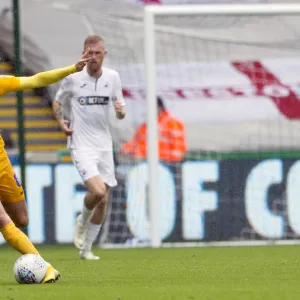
x=13, y=235
x=11, y=195
x=20, y=242
x=17, y=210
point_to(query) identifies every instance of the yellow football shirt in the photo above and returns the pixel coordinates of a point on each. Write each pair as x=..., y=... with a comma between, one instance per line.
x=8, y=84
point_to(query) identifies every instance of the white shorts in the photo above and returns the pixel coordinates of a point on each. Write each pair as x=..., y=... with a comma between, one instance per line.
x=95, y=163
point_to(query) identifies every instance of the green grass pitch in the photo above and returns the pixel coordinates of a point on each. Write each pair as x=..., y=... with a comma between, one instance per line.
x=229, y=273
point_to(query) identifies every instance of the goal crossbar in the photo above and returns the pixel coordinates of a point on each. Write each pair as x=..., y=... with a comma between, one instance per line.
x=225, y=9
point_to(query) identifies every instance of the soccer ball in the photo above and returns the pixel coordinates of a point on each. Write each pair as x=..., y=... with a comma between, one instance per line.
x=30, y=269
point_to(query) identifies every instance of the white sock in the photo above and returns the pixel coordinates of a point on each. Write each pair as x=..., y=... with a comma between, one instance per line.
x=85, y=215
x=91, y=235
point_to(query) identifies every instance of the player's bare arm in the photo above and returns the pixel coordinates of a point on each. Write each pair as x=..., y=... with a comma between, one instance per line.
x=58, y=113
x=57, y=110
x=120, y=110
x=49, y=77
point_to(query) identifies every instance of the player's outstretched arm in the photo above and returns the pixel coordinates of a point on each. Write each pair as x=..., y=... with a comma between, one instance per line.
x=49, y=77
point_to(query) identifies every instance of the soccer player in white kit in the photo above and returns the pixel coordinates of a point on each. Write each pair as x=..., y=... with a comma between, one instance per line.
x=90, y=93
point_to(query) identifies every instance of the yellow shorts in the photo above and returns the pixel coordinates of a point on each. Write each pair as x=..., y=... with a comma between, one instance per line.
x=10, y=187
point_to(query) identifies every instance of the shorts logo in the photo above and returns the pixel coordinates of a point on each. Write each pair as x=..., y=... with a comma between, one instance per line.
x=17, y=180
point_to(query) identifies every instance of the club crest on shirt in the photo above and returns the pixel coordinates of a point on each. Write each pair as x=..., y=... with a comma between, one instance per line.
x=82, y=100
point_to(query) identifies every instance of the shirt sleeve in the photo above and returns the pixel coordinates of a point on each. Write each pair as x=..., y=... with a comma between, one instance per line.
x=65, y=90
x=118, y=90
x=46, y=78
x=9, y=84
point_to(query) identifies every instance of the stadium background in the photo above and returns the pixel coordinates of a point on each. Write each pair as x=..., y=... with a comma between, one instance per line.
x=236, y=92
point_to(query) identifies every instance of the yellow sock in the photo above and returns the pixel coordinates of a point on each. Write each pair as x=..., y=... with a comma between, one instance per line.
x=17, y=239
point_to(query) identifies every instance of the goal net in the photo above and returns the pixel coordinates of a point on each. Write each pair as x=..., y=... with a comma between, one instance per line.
x=228, y=79
x=225, y=131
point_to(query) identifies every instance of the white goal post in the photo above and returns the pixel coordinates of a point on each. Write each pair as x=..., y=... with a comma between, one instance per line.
x=150, y=12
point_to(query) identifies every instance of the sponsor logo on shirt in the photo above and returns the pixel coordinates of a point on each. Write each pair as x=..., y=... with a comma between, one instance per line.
x=93, y=100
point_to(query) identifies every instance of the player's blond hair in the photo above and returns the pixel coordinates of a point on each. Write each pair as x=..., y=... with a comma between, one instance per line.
x=93, y=39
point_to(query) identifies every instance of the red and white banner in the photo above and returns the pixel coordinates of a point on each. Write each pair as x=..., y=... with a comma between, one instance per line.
x=225, y=105
x=221, y=91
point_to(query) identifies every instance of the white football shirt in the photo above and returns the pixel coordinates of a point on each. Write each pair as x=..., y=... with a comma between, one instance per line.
x=90, y=100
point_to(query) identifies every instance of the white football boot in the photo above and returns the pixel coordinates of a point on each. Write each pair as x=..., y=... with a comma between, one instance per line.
x=79, y=234
x=88, y=255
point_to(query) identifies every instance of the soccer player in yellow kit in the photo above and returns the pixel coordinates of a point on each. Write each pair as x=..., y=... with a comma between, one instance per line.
x=13, y=209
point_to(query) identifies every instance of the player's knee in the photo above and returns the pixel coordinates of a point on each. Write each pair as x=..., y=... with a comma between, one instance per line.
x=22, y=221
x=4, y=220
x=104, y=201
x=99, y=194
